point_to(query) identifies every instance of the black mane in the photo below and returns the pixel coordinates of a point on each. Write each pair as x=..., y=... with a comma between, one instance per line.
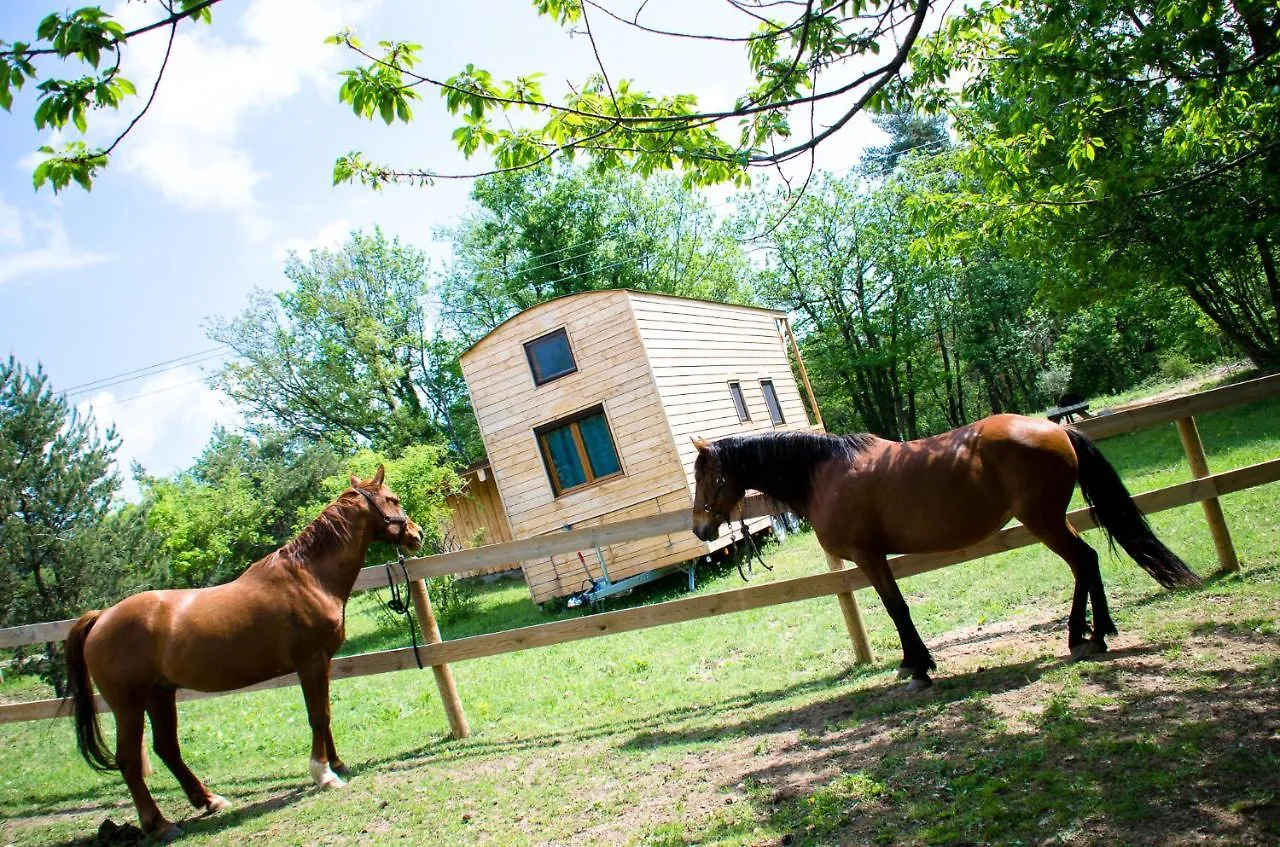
x=781, y=464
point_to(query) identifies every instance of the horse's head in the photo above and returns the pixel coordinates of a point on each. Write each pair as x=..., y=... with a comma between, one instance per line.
x=394, y=526
x=716, y=491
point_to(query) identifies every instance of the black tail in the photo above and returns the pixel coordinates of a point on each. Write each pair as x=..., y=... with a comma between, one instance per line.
x=1115, y=512
x=80, y=690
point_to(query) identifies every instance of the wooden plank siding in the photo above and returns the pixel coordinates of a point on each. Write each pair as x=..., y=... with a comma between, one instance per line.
x=478, y=518
x=695, y=349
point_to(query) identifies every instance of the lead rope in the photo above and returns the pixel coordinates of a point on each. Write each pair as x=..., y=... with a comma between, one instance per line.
x=400, y=602
x=754, y=552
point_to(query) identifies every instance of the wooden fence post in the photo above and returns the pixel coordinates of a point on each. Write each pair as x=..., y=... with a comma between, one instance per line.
x=1191, y=443
x=852, y=618
x=444, y=676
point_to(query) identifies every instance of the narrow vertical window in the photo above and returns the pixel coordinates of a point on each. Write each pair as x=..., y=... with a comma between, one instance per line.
x=771, y=400
x=550, y=356
x=739, y=403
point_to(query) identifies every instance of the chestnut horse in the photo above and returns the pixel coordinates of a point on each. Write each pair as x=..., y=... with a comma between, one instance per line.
x=866, y=497
x=286, y=612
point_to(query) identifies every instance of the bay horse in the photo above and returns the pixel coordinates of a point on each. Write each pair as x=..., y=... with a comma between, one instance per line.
x=286, y=612
x=867, y=497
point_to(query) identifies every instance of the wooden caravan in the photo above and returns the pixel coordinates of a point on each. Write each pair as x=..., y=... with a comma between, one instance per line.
x=587, y=406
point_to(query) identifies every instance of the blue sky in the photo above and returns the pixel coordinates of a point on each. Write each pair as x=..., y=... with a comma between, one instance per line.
x=232, y=168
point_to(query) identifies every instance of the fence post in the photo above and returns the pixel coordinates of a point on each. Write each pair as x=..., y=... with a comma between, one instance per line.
x=1191, y=443
x=444, y=675
x=852, y=618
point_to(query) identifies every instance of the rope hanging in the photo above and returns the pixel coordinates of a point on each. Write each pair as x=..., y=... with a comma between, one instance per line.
x=400, y=602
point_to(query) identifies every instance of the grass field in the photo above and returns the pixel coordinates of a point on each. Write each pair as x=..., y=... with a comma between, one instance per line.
x=756, y=728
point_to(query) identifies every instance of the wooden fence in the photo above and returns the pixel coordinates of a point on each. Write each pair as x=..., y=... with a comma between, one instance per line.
x=1204, y=488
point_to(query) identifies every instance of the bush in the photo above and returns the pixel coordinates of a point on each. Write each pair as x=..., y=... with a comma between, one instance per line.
x=1054, y=382
x=1175, y=365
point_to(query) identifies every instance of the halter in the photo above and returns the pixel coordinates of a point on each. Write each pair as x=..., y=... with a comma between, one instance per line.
x=715, y=494
x=754, y=551
x=388, y=520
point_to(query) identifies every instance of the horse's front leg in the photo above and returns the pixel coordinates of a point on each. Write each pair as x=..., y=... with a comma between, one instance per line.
x=313, y=673
x=916, y=660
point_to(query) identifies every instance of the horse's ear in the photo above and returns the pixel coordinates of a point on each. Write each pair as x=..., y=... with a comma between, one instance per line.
x=355, y=481
x=701, y=444
x=377, y=477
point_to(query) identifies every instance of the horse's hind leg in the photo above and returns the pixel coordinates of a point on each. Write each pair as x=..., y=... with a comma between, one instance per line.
x=915, y=655
x=1060, y=537
x=163, y=710
x=129, y=720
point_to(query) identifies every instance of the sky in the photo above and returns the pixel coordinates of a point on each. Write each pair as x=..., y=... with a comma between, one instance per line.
x=231, y=169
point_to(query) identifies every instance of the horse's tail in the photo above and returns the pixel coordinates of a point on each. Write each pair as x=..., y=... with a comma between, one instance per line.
x=1115, y=511
x=80, y=690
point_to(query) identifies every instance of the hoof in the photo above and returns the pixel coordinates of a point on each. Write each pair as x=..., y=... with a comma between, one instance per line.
x=167, y=835
x=1085, y=649
x=905, y=672
x=340, y=769
x=216, y=804
x=919, y=684
x=324, y=777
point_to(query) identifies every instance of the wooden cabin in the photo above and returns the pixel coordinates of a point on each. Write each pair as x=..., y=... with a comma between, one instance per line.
x=477, y=517
x=587, y=405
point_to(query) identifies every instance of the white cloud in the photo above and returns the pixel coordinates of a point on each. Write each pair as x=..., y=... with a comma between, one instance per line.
x=23, y=254
x=163, y=422
x=329, y=236
x=10, y=224
x=189, y=147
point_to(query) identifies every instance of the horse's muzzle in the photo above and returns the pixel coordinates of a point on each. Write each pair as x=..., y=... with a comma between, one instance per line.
x=412, y=537
x=706, y=526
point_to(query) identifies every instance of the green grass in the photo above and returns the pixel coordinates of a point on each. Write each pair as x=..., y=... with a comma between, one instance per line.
x=757, y=728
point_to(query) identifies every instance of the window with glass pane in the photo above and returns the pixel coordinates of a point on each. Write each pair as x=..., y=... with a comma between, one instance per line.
x=771, y=400
x=550, y=356
x=578, y=450
x=739, y=402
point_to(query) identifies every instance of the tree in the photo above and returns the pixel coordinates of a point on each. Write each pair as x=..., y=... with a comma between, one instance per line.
x=827, y=264
x=538, y=234
x=1141, y=140
x=819, y=62
x=420, y=475
x=61, y=550
x=347, y=355
x=238, y=501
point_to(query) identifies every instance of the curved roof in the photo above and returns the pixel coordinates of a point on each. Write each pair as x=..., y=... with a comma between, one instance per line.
x=628, y=291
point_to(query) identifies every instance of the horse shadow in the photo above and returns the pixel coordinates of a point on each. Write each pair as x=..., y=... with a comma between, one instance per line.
x=194, y=824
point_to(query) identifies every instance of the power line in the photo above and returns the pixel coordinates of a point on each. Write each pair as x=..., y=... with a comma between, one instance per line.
x=218, y=351
x=147, y=370
x=97, y=406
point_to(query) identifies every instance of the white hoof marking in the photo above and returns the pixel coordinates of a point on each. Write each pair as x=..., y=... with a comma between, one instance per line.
x=216, y=804
x=323, y=776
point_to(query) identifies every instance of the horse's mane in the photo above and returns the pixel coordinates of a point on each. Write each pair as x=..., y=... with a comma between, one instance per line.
x=781, y=464
x=332, y=530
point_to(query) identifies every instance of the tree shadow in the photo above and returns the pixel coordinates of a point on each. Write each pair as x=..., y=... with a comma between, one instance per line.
x=445, y=749
x=1126, y=761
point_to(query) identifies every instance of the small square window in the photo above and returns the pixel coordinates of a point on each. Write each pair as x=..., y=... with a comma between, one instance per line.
x=578, y=450
x=739, y=402
x=771, y=400
x=550, y=356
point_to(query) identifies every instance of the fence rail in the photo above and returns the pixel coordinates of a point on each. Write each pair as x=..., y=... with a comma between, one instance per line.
x=1204, y=489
